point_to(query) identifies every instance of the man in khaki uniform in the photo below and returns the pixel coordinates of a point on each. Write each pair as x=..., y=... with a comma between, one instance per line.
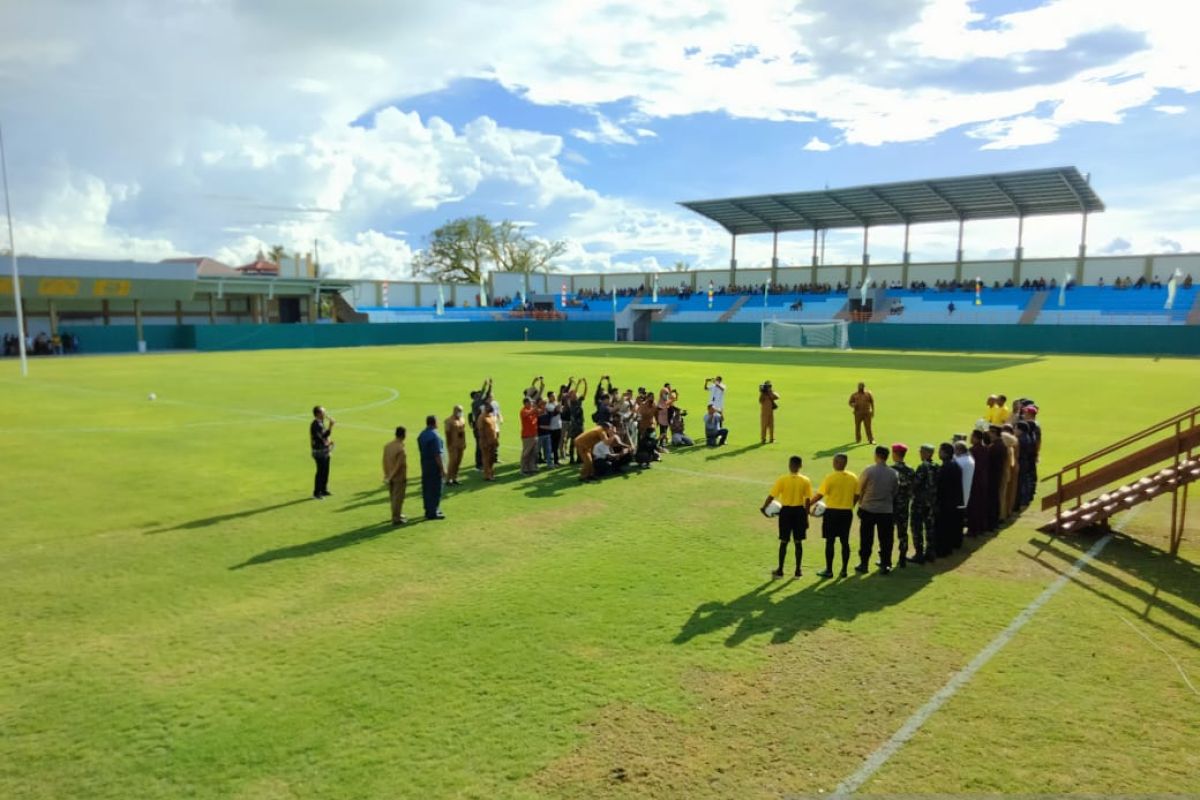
x=456, y=444
x=395, y=474
x=489, y=441
x=862, y=403
x=584, y=444
x=768, y=399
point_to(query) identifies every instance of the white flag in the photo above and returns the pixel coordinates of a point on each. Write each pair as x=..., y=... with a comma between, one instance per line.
x=766, y=290
x=863, y=292
x=654, y=291
x=441, y=302
x=1171, y=285
x=1062, y=290
x=482, y=293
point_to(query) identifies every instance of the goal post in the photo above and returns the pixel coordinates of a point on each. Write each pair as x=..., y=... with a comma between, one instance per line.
x=831, y=334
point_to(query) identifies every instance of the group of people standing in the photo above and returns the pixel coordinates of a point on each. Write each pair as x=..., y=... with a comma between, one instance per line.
x=980, y=486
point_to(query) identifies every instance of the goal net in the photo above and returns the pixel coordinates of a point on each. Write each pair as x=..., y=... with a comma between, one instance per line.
x=832, y=334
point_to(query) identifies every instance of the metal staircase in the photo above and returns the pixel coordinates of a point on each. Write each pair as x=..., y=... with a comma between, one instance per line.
x=1168, y=449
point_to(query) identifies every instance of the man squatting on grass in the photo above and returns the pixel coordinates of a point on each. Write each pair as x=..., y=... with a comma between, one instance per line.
x=793, y=492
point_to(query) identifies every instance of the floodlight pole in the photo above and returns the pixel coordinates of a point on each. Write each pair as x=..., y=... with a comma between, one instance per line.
x=16, y=276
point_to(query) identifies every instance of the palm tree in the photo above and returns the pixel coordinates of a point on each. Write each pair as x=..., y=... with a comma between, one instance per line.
x=277, y=254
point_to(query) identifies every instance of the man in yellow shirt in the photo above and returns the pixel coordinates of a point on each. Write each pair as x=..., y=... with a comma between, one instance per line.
x=1000, y=412
x=793, y=491
x=395, y=474
x=839, y=490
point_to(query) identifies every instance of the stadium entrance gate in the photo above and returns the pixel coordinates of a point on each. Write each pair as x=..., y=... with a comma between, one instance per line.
x=632, y=324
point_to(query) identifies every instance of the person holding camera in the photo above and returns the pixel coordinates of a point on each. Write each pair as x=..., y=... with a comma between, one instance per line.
x=319, y=435
x=715, y=432
x=716, y=393
x=768, y=401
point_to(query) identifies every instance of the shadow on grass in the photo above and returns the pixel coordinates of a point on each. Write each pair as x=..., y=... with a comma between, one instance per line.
x=915, y=362
x=205, y=522
x=326, y=545
x=766, y=610
x=1125, y=557
x=840, y=448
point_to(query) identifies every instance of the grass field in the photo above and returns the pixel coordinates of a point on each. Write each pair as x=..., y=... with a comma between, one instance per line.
x=181, y=620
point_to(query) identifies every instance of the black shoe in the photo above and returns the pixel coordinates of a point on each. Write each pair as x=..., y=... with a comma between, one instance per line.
x=399, y=522
x=842, y=574
x=798, y=574
x=438, y=515
x=318, y=496
x=919, y=558
x=776, y=573
x=903, y=562
x=860, y=569
x=884, y=570
x=825, y=573
x=327, y=494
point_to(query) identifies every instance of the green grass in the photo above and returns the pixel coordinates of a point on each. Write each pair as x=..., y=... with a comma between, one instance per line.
x=180, y=621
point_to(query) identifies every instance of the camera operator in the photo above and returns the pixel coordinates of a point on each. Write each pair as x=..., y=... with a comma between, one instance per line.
x=768, y=401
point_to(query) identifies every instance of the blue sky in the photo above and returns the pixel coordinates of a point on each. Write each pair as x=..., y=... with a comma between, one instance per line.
x=141, y=130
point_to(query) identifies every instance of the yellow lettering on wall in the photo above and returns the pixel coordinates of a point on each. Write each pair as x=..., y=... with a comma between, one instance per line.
x=58, y=287
x=6, y=286
x=110, y=288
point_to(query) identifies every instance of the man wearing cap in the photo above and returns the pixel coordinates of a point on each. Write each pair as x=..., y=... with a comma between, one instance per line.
x=862, y=403
x=768, y=401
x=904, y=486
x=839, y=490
x=456, y=444
x=794, y=493
x=876, y=493
x=924, y=502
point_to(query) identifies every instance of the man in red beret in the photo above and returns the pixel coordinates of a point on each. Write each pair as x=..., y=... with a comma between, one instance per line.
x=900, y=500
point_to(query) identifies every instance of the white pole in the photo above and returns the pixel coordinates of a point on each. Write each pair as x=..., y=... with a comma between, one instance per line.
x=16, y=277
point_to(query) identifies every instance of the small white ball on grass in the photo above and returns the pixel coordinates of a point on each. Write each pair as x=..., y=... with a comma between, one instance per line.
x=152, y=396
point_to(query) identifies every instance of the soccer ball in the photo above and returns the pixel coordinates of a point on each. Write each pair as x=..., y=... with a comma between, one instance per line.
x=818, y=509
x=773, y=508
x=152, y=396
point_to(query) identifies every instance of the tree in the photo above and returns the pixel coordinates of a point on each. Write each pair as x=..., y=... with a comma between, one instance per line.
x=681, y=266
x=512, y=251
x=457, y=251
x=276, y=254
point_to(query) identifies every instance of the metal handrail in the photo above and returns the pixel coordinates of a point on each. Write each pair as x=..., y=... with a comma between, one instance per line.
x=1112, y=448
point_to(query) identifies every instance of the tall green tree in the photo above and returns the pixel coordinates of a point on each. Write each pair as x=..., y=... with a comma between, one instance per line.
x=681, y=266
x=458, y=251
x=513, y=251
x=277, y=254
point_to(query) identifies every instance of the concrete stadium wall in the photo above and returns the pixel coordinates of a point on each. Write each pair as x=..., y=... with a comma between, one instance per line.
x=1084, y=339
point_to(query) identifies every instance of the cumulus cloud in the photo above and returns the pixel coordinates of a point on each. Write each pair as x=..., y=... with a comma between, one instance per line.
x=144, y=129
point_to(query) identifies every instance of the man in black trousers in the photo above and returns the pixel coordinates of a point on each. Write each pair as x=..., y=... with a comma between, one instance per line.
x=319, y=433
x=433, y=470
x=876, y=505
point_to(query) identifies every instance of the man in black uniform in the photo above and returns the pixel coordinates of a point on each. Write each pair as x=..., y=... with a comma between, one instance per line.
x=322, y=446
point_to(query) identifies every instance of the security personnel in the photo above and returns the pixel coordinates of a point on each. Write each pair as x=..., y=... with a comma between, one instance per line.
x=584, y=443
x=395, y=474
x=862, y=403
x=433, y=472
x=794, y=492
x=924, y=503
x=900, y=500
x=456, y=444
x=768, y=400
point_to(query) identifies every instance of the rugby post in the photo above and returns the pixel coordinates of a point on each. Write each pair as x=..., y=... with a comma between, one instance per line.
x=16, y=277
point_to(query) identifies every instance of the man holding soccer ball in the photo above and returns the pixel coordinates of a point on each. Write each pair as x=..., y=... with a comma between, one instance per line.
x=789, y=500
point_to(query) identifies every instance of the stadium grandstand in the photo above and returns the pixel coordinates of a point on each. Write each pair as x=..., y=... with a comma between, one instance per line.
x=198, y=302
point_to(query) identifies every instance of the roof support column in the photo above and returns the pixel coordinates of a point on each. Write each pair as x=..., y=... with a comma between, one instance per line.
x=814, y=253
x=1019, y=256
x=958, y=256
x=907, y=253
x=1082, y=251
x=866, y=256
x=732, y=256
x=212, y=309
x=774, y=257
x=137, y=325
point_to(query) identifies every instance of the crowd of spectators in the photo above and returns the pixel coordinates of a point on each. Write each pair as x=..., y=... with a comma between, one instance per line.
x=43, y=344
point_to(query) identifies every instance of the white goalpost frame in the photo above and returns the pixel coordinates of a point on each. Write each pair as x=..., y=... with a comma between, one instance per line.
x=827, y=334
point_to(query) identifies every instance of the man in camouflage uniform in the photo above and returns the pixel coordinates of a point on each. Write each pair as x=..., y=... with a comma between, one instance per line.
x=924, y=503
x=904, y=486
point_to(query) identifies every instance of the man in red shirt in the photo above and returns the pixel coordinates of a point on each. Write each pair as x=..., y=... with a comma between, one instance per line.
x=529, y=437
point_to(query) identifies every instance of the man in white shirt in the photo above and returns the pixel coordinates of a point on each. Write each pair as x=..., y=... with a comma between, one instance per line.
x=966, y=463
x=608, y=456
x=716, y=393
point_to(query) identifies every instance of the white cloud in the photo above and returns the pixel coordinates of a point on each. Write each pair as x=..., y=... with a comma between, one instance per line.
x=607, y=132
x=817, y=146
x=1019, y=132
x=1171, y=109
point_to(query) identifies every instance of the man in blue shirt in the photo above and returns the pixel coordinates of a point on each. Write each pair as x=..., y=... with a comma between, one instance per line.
x=432, y=468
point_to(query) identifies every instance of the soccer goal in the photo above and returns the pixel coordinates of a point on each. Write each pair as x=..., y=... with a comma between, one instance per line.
x=834, y=333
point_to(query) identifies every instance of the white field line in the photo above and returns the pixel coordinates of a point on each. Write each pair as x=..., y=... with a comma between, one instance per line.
x=1160, y=649
x=913, y=724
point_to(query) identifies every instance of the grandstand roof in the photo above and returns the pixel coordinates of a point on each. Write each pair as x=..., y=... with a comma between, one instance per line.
x=1061, y=190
